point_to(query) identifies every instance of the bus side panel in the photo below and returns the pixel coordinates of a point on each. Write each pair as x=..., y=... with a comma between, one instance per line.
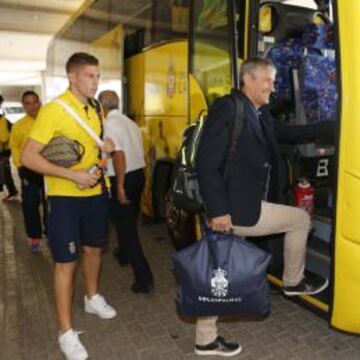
x=158, y=102
x=135, y=75
x=346, y=308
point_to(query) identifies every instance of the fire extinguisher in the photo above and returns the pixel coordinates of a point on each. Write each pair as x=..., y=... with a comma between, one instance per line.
x=304, y=196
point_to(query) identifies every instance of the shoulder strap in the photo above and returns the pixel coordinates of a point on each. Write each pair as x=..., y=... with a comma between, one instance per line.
x=80, y=121
x=237, y=127
x=96, y=104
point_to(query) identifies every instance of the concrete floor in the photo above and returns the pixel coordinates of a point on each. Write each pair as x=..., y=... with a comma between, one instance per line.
x=147, y=326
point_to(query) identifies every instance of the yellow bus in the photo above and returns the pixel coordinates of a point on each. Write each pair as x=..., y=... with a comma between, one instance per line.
x=181, y=55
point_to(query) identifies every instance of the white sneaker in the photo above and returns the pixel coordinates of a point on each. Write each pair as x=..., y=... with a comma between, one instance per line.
x=98, y=306
x=71, y=346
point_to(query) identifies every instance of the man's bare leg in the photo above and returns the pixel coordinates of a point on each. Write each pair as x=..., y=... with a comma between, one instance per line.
x=91, y=264
x=63, y=287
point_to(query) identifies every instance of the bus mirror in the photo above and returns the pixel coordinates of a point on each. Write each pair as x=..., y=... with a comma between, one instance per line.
x=267, y=15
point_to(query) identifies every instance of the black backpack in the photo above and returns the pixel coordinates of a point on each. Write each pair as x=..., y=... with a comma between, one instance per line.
x=184, y=189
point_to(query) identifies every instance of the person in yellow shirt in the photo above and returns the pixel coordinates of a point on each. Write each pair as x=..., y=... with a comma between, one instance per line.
x=5, y=167
x=32, y=184
x=78, y=203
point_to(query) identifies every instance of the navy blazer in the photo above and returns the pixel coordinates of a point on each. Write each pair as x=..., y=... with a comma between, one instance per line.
x=241, y=193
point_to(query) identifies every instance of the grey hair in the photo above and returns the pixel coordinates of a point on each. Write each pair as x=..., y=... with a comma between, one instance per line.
x=251, y=65
x=109, y=99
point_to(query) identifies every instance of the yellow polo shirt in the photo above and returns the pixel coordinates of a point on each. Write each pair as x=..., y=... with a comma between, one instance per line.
x=4, y=134
x=18, y=136
x=4, y=131
x=53, y=120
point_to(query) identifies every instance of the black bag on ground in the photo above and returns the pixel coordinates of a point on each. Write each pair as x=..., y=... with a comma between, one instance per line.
x=184, y=189
x=222, y=274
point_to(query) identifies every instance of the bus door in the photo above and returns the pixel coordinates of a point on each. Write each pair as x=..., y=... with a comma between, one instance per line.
x=300, y=42
x=318, y=82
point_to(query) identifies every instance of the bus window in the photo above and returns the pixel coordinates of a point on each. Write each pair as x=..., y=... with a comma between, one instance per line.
x=210, y=49
x=242, y=33
x=212, y=15
x=169, y=20
x=180, y=16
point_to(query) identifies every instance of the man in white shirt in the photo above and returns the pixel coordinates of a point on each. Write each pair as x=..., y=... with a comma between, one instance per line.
x=126, y=172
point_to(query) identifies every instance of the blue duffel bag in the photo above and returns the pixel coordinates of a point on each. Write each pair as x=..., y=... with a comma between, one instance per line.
x=222, y=274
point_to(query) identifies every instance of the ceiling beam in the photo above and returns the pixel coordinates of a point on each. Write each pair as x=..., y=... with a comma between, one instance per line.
x=41, y=5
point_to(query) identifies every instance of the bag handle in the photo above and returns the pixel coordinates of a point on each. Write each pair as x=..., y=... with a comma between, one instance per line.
x=214, y=238
x=81, y=122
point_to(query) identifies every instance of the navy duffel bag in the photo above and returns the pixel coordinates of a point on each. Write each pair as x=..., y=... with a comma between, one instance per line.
x=222, y=274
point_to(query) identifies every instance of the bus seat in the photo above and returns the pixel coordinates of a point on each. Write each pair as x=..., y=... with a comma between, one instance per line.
x=286, y=55
x=319, y=90
x=319, y=36
x=306, y=75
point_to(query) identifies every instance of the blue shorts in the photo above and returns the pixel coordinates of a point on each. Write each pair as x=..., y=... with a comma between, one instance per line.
x=75, y=222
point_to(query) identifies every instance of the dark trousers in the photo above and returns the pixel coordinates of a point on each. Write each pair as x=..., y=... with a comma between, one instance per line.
x=32, y=192
x=6, y=176
x=125, y=220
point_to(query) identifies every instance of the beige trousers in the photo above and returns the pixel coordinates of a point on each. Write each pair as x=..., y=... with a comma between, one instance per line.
x=274, y=219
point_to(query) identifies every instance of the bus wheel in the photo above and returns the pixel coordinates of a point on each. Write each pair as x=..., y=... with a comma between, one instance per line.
x=161, y=183
x=181, y=225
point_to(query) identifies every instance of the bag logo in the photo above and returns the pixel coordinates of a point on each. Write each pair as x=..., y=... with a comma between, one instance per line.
x=219, y=283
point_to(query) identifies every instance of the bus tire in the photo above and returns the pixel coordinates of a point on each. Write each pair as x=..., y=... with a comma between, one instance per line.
x=181, y=226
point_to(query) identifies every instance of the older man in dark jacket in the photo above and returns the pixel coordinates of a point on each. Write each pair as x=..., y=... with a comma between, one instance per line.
x=245, y=202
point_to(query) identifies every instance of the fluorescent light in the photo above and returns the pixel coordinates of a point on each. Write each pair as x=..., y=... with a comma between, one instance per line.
x=20, y=78
x=22, y=65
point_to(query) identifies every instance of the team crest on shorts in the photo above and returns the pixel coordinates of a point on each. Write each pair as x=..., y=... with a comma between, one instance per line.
x=72, y=247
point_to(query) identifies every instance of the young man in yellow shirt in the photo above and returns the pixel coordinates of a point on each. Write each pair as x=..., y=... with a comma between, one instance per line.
x=78, y=204
x=32, y=183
